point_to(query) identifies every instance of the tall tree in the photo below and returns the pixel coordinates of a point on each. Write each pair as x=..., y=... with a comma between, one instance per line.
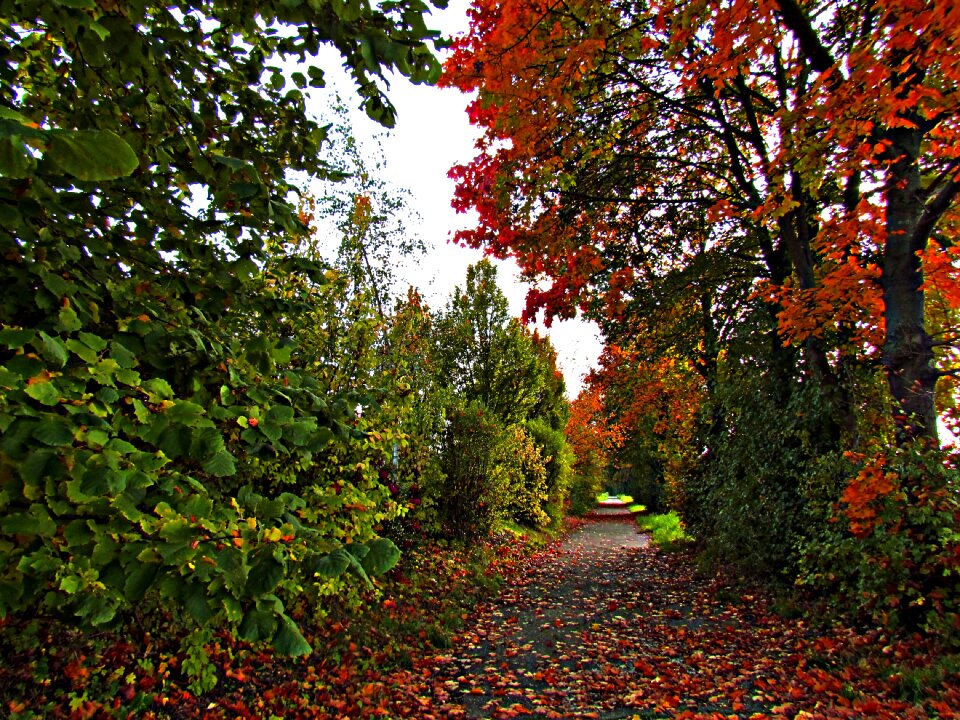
x=818, y=140
x=484, y=355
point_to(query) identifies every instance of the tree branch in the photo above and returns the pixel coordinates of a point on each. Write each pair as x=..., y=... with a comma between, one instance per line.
x=798, y=23
x=933, y=211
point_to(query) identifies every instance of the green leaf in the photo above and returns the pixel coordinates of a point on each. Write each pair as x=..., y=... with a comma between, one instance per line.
x=78, y=533
x=103, y=34
x=382, y=557
x=69, y=320
x=16, y=161
x=94, y=342
x=46, y=393
x=10, y=114
x=235, y=572
x=158, y=390
x=231, y=162
x=35, y=522
x=70, y=584
x=139, y=581
x=122, y=355
x=174, y=442
x=54, y=432
x=96, y=610
x=357, y=550
x=279, y=415
x=197, y=603
x=185, y=412
x=220, y=465
x=177, y=531
x=289, y=640
x=15, y=338
x=121, y=446
x=266, y=572
x=333, y=565
x=82, y=351
x=258, y=625
x=37, y=465
x=92, y=154
x=53, y=349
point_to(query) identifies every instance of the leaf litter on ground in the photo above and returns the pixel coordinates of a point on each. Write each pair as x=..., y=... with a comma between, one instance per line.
x=596, y=625
x=604, y=626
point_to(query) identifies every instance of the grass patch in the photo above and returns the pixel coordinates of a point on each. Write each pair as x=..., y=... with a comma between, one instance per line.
x=622, y=498
x=666, y=531
x=638, y=508
x=914, y=683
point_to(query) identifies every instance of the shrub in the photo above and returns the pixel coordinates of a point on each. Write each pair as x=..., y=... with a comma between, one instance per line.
x=473, y=497
x=666, y=530
x=558, y=459
x=889, y=550
x=525, y=477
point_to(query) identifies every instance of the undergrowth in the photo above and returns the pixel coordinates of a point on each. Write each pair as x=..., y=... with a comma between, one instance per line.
x=666, y=531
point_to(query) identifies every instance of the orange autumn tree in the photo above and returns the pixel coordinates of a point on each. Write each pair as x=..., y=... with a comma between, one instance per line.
x=655, y=402
x=766, y=191
x=818, y=141
x=591, y=439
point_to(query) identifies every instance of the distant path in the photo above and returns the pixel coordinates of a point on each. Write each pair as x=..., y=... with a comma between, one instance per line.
x=603, y=626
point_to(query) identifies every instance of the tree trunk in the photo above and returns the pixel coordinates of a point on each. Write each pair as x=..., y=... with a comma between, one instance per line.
x=908, y=349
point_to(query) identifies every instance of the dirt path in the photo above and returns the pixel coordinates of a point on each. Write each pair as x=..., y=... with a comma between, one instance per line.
x=603, y=626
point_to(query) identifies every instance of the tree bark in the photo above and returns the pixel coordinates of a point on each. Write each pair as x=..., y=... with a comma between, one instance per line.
x=908, y=349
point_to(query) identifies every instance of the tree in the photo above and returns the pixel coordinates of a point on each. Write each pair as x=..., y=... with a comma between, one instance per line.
x=145, y=154
x=592, y=440
x=484, y=355
x=766, y=193
x=819, y=140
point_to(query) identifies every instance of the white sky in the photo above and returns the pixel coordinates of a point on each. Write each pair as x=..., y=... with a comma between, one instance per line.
x=431, y=135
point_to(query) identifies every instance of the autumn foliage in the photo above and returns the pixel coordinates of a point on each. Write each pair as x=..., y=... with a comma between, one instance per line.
x=758, y=203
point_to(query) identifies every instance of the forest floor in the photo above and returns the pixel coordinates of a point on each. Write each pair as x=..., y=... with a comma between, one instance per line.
x=598, y=624
x=602, y=625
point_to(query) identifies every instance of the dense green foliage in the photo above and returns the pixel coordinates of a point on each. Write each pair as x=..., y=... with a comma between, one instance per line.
x=153, y=382
x=503, y=454
x=211, y=416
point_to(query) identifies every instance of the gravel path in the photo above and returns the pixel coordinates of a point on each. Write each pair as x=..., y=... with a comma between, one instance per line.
x=548, y=645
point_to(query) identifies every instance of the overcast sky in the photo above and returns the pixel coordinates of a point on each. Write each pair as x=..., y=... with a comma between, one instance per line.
x=431, y=135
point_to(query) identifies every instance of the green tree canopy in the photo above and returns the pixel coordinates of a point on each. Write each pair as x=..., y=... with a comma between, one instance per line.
x=485, y=355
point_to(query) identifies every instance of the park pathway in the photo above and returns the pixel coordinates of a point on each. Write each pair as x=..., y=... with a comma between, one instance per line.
x=601, y=625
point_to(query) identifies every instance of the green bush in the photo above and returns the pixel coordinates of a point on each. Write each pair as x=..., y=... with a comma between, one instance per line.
x=525, y=476
x=888, y=549
x=473, y=497
x=558, y=458
x=151, y=381
x=666, y=530
x=745, y=500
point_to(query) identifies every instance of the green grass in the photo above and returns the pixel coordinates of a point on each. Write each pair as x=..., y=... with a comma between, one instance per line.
x=638, y=508
x=622, y=498
x=666, y=531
